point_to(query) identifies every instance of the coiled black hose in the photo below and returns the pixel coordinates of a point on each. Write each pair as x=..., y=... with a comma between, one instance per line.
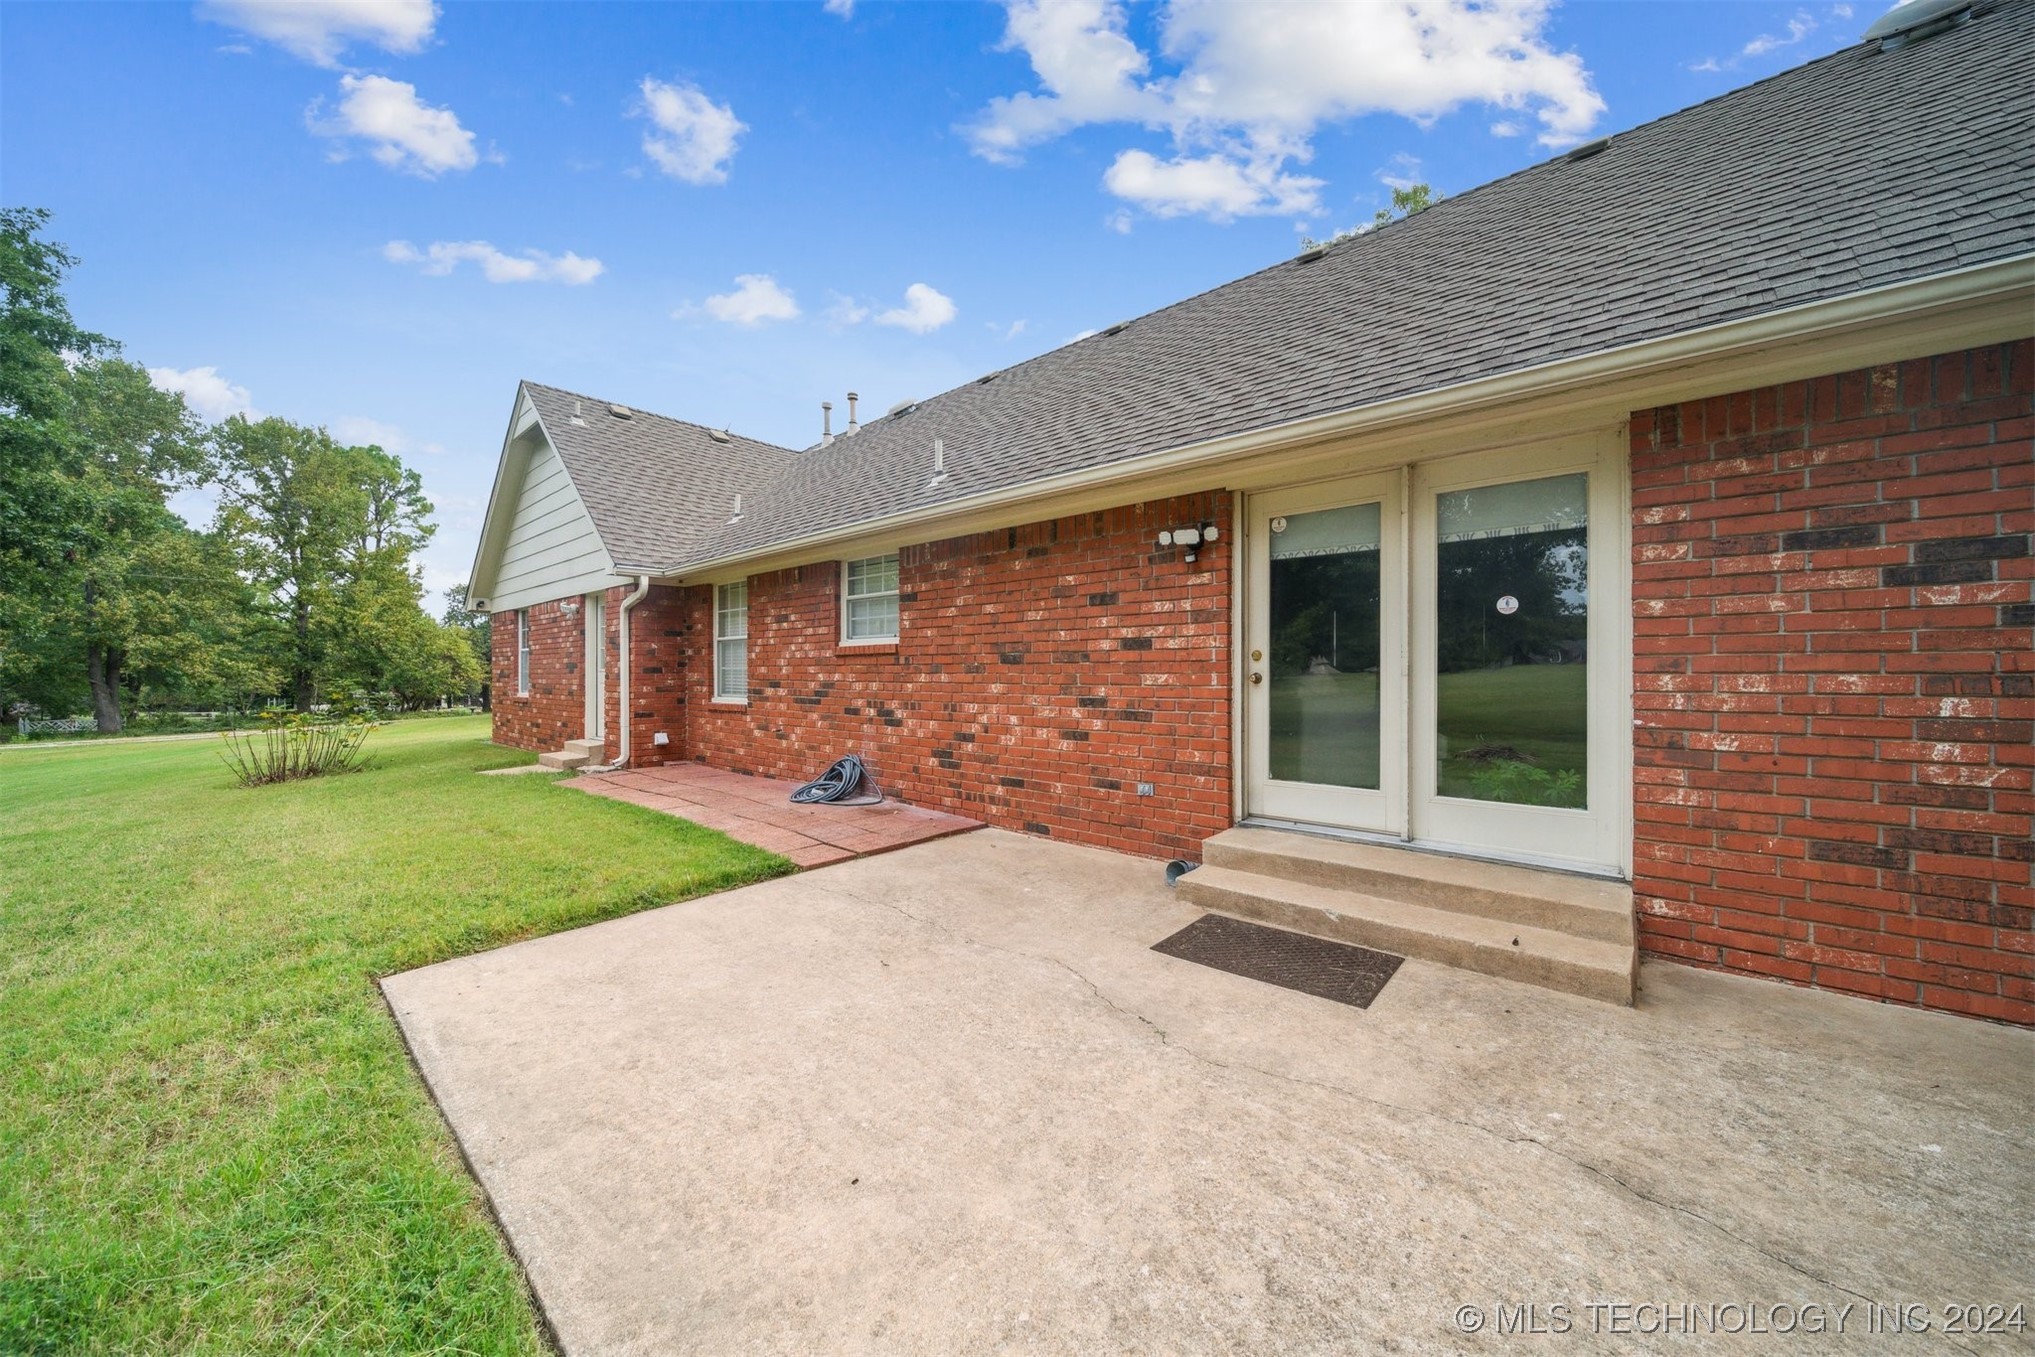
x=839, y=785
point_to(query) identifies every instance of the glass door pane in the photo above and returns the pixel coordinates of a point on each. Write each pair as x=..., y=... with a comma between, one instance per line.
x=1511, y=642
x=1323, y=652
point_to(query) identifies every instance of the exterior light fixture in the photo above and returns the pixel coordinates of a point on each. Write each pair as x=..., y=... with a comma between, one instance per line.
x=1190, y=538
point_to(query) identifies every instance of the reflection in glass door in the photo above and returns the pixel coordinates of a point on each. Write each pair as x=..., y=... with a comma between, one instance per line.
x=1512, y=642
x=1515, y=707
x=1322, y=660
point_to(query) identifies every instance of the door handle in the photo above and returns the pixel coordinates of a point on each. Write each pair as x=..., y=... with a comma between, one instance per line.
x=1257, y=678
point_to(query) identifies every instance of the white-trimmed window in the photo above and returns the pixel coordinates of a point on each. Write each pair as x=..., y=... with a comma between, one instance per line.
x=731, y=642
x=522, y=652
x=869, y=599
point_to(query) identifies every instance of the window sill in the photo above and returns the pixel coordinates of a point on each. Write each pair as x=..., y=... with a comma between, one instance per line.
x=727, y=704
x=866, y=647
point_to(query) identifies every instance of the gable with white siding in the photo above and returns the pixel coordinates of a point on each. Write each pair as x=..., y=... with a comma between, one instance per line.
x=551, y=549
x=539, y=542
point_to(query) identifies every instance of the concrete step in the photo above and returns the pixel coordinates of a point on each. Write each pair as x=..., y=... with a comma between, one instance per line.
x=593, y=749
x=1556, y=901
x=1590, y=967
x=564, y=760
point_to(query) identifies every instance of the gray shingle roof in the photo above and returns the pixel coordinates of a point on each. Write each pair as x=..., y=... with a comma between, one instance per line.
x=654, y=486
x=1858, y=170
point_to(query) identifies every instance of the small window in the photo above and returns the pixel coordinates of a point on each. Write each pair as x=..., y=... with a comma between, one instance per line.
x=869, y=599
x=731, y=643
x=522, y=652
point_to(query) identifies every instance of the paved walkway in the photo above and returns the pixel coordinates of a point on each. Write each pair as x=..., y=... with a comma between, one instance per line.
x=949, y=1101
x=759, y=811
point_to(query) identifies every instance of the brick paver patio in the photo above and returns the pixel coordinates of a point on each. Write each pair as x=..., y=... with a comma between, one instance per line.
x=759, y=811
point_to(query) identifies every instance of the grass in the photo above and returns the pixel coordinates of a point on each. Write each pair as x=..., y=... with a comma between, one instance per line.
x=211, y=1139
x=1324, y=727
x=1538, y=709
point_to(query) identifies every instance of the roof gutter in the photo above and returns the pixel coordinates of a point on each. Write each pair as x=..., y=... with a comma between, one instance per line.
x=1980, y=283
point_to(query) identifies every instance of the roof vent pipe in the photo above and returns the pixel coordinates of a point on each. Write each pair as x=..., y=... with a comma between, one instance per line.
x=852, y=425
x=939, y=464
x=826, y=423
x=736, y=517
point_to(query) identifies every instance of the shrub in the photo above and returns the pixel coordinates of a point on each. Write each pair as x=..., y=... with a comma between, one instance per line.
x=288, y=746
x=1522, y=784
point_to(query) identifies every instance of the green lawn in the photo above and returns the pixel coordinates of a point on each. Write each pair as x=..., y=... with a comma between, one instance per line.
x=1324, y=727
x=1538, y=709
x=211, y=1138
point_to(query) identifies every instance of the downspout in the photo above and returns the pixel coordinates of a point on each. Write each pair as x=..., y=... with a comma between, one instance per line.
x=622, y=684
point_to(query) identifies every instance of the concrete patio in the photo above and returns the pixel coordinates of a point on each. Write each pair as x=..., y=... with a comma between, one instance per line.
x=759, y=811
x=948, y=1100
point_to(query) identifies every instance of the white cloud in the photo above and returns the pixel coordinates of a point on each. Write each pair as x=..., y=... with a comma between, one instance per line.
x=1006, y=332
x=1245, y=86
x=925, y=309
x=1119, y=221
x=359, y=431
x=845, y=310
x=209, y=396
x=1799, y=27
x=531, y=266
x=691, y=137
x=756, y=299
x=402, y=131
x=1505, y=127
x=1403, y=171
x=319, y=30
x=1213, y=186
x=842, y=8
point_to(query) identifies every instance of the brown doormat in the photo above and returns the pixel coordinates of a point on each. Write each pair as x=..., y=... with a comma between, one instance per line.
x=1327, y=970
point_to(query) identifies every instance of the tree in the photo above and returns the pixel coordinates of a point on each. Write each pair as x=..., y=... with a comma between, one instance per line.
x=1406, y=202
x=89, y=453
x=478, y=627
x=329, y=533
x=128, y=446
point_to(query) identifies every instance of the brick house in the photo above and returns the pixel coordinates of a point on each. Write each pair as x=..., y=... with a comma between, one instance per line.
x=1627, y=556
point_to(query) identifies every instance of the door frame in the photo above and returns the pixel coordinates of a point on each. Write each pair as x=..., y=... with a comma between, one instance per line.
x=593, y=611
x=1418, y=817
x=1382, y=810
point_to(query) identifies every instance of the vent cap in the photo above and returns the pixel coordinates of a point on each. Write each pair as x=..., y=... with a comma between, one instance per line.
x=1919, y=19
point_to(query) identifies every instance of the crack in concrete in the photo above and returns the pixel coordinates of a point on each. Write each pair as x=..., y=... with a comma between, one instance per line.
x=1354, y=1095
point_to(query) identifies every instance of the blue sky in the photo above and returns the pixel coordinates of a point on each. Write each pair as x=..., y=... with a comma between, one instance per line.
x=377, y=215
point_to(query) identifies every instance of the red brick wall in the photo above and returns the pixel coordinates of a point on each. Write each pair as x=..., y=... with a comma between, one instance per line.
x=555, y=710
x=1040, y=673
x=1833, y=673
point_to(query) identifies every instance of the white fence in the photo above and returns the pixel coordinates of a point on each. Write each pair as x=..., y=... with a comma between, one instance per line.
x=62, y=725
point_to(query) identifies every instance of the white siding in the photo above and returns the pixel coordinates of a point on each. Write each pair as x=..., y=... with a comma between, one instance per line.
x=551, y=549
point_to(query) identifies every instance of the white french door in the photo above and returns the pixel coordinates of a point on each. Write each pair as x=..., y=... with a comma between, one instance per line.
x=1439, y=654
x=1325, y=686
